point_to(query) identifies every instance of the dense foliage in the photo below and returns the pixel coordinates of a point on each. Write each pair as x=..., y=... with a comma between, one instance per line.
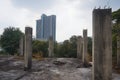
x=40, y=47
x=10, y=40
x=69, y=47
x=116, y=16
x=115, y=30
x=90, y=46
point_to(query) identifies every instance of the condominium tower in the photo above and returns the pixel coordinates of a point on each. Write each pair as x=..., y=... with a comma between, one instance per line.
x=46, y=27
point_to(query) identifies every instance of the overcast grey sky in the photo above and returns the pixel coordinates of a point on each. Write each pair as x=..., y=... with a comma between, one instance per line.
x=72, y=15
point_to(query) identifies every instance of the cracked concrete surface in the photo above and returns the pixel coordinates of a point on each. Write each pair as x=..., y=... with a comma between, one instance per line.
x=12, y=68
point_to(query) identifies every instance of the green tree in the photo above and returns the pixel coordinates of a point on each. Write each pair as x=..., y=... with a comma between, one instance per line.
x=64, y=49
x=56, y=47
x=73, y=43
x=116, y=16
x=10, y=40
x=68, y=48
x=90, y=45
x=115, y=30
x=40, y=47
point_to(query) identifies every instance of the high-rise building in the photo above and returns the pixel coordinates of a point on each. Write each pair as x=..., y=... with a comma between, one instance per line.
x=46, y=27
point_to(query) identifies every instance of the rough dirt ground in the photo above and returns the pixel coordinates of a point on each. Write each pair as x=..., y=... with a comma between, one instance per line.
x=12, y=68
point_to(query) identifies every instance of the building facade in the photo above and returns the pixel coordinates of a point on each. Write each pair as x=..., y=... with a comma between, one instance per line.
x=46, y=27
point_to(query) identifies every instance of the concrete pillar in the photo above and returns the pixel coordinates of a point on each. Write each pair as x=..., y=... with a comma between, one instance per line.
x=102, y=45
x=85, y=53
x=21, y=46
x=118, y=51
x=28, y=48
x=51, y=47
x=79, y=47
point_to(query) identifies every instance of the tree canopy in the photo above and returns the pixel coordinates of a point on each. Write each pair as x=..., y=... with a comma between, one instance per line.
x=69, y=47
x=40, y=47
x=116, y=16
x=115, y=30
x=10, y=40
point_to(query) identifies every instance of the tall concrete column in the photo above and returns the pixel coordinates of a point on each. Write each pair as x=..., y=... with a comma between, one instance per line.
x=79, y=47
x=102, y=45
x=85, y=53
x=28, y=48
x=21, y=46
x=51, y=47
x=118, y=51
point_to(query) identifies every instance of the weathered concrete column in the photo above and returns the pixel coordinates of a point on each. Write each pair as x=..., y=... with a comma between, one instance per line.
x=79, y=47
x=102, y=45
x=51, y=47
x=21, y=46
x=85, y=53
x=118, y=51
x=28, y=48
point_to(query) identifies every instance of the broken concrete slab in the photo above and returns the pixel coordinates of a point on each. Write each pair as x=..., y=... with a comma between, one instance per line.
x=46, y=70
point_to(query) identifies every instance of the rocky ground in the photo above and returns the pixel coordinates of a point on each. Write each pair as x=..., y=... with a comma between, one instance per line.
x=12, y=68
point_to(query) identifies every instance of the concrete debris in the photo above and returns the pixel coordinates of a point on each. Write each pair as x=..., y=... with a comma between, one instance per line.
x=47, y=69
